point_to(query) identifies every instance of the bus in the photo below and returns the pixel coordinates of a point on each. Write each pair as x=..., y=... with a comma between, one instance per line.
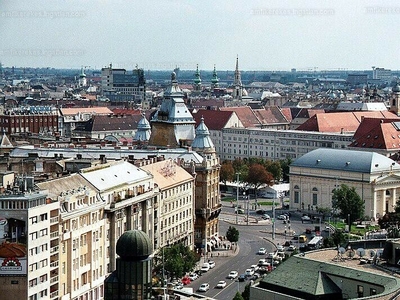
x=315, y=243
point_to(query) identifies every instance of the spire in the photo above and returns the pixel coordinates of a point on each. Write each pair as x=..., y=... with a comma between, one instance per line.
x=202, y=139
x=197, y=79
x=143, y=132
x=238, y=88
x=215, y=79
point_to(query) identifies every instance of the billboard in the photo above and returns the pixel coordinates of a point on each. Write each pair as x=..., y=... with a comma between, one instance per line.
x=13, y=247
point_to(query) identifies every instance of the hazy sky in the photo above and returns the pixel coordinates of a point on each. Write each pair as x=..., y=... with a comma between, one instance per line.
x=162, y=34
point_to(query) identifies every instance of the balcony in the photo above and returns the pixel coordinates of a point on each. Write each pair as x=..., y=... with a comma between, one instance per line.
x=54, y=279
x=54, y=249
x=54, y=220
x=54, y=234
x=54, y=264
x=54, y=295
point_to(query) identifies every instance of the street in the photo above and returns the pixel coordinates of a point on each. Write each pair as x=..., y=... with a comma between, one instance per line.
x=251, y=238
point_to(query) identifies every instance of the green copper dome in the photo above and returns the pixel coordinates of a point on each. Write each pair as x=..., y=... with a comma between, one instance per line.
x=134, y=244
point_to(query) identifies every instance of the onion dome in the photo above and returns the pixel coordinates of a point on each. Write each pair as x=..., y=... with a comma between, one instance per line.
x=202, y=139
x=134, y=244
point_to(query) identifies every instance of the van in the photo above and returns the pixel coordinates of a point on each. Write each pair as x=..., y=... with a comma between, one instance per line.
x=302, y=239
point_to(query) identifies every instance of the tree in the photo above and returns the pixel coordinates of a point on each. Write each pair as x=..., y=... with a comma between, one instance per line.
x=349, y=203
x=258, y=176
x=238, y=296
x=178, y=260
x=336, y=238
x=285, y=164
x=227, y=173
x=246, y=292
x=274, y=167
x=232, y=234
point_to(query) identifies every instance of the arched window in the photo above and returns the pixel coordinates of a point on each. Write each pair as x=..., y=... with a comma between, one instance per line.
x=314, y=196
x=296, y=194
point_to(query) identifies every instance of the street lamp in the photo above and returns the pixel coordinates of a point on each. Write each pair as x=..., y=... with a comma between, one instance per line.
x=273, y=218
x=237, y=196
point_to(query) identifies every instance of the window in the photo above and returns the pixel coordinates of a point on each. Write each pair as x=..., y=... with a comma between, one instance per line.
x=360, y=291
x=296, y=197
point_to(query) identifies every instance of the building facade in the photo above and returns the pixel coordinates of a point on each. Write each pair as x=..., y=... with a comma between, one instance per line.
x=315, y=176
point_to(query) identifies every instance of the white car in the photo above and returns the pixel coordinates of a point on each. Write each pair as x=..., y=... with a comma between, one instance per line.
x=263, y=262
x=305, y=218
x=221, y=284
x=281, y=217
x=280, y=248
x=249, y=272
x=266, y=217
x=262, y=251
x=205, y=267
x=233, y=274
x=193, y=276
x=211, y=263
x=254, y=267
x=292, y=248
x=204, y=287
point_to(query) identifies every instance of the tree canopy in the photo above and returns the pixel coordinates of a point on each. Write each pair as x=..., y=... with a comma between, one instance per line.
x=227, y=173
x=232, y=234
x=349, y=203
x=258, y=176
x=178, y=260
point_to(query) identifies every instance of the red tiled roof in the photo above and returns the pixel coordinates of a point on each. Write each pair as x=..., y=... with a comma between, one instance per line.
x=99, y=110
x=340, y=121
x=214, y=119
x=270, y=115
x=125, y=111
x=378, y=134
x=106, y=123
x=245, y=114
x=286, y=111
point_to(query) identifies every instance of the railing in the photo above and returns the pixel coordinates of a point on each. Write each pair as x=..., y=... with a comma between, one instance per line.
x=54, y=249
x=54, y=220
x=54, y=234
x=54, y=279
x=54, y=295
x=54, y=264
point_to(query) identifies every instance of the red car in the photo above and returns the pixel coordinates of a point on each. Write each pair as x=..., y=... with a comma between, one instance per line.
x=186, y=280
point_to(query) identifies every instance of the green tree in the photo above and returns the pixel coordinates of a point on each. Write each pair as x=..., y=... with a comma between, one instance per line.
x=285, y=164
x=257, y=176
x=336, y=238
x=240, y=166
x=232, y=234
x=274, y=167
x=227, y=173
x=178, y=260
x=246, y=292
x=238, y=296
x=349, y=203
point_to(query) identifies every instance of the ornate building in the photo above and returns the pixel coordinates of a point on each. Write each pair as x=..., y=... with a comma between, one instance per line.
x=214, y=79
x=207, y=201
x=197, y=80
x=237, y=84
x=172, y=124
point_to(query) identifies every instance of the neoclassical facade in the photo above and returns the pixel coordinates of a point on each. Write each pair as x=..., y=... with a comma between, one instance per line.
x=315, y=175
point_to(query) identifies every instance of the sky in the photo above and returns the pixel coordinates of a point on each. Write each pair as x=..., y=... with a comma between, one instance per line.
x=164, y=34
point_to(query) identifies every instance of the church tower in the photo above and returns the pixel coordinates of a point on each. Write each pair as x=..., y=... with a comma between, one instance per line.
x=237, y=84
x=214, y=79
x=207, y=188
x=82, y=78
x=197, y=80
x=173, y=124
x=395, y=99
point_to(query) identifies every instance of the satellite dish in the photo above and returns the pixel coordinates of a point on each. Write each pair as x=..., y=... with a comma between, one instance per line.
x=360, y=252
x=372, y=253
x=350, y=253
x=342, y=250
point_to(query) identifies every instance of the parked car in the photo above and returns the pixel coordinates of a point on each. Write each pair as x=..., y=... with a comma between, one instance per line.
x=221, y=284
x=249, y=272
x=185, y=280
x=281, y=217
x=272, y=255
x=266, y=217
x=292, y=248
x=211, y=263
x=193, y=276
x=280, y=248
x=305, y=219
x=178, y=286
x=233, y=275
x=204, y=287
x=242, y=277
x=254, y=267
x=263, y=262
x=205, y=267
x=262, y=251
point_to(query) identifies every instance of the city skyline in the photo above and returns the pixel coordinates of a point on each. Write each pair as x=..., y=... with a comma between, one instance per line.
x=162, y=35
